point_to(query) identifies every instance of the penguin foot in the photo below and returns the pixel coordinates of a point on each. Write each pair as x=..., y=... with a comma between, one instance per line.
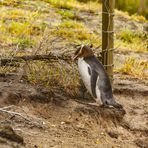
x=94, y=104
x=112, y=103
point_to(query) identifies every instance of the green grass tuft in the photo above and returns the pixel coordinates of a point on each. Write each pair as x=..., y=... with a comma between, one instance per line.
x=11, y=2
x=64, y=4
x=66, y=14
x=127, y=36
x=72, y=24
x=24, y=43
x=132, y=41
x=135, y=68
x=76, y=32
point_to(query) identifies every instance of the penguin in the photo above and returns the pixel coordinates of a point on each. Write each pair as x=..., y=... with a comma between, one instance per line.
x=95, y=77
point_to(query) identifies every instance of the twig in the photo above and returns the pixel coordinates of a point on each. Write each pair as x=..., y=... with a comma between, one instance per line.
x=6, y=107
x=14, y=113
x=33, y=121
x=50, y=56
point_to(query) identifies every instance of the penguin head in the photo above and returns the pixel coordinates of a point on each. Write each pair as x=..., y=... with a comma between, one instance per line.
x=83, y=51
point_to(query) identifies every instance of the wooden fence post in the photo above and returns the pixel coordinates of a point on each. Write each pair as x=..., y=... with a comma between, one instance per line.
x=107, y=36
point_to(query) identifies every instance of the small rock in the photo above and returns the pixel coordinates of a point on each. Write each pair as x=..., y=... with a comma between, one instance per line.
x=62, y=122
x=102, y=133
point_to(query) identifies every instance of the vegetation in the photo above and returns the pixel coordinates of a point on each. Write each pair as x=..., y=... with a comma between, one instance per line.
x=133, y=6
x=11, y=2
x=48, y=76
x=74, y=31
x=132, y=41
x=65, y=4
x=26, y=27
x=66, y=14
x=135, y=68
x=129, y=6
x=40, y=85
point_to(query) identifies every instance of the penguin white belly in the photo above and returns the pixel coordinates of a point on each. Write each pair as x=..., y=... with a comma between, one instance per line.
x=83, y=70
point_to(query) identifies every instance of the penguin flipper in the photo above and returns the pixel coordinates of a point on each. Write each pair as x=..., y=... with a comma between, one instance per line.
x=107, y=94
x=93, y=80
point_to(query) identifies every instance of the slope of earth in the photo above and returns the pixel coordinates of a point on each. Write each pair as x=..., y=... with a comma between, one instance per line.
x=56, y=120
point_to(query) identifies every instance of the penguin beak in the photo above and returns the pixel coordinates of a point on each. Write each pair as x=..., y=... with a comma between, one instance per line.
x=74, y=57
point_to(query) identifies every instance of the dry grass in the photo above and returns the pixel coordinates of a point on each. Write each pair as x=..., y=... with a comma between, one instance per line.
x=53, y=75
x=76, y=32
x=20, y=27
x=134, y=67
x=133, y=17
x=25, y=27
x=11, y=2
x=74, y=4
x=132, y=41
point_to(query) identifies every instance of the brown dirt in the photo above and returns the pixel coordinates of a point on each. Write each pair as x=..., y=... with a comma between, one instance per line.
x=59, y=121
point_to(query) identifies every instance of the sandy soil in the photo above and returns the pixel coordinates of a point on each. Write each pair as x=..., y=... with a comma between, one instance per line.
x=55, y=120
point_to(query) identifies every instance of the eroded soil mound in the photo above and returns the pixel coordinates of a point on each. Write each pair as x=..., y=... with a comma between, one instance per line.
x=45, y=119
